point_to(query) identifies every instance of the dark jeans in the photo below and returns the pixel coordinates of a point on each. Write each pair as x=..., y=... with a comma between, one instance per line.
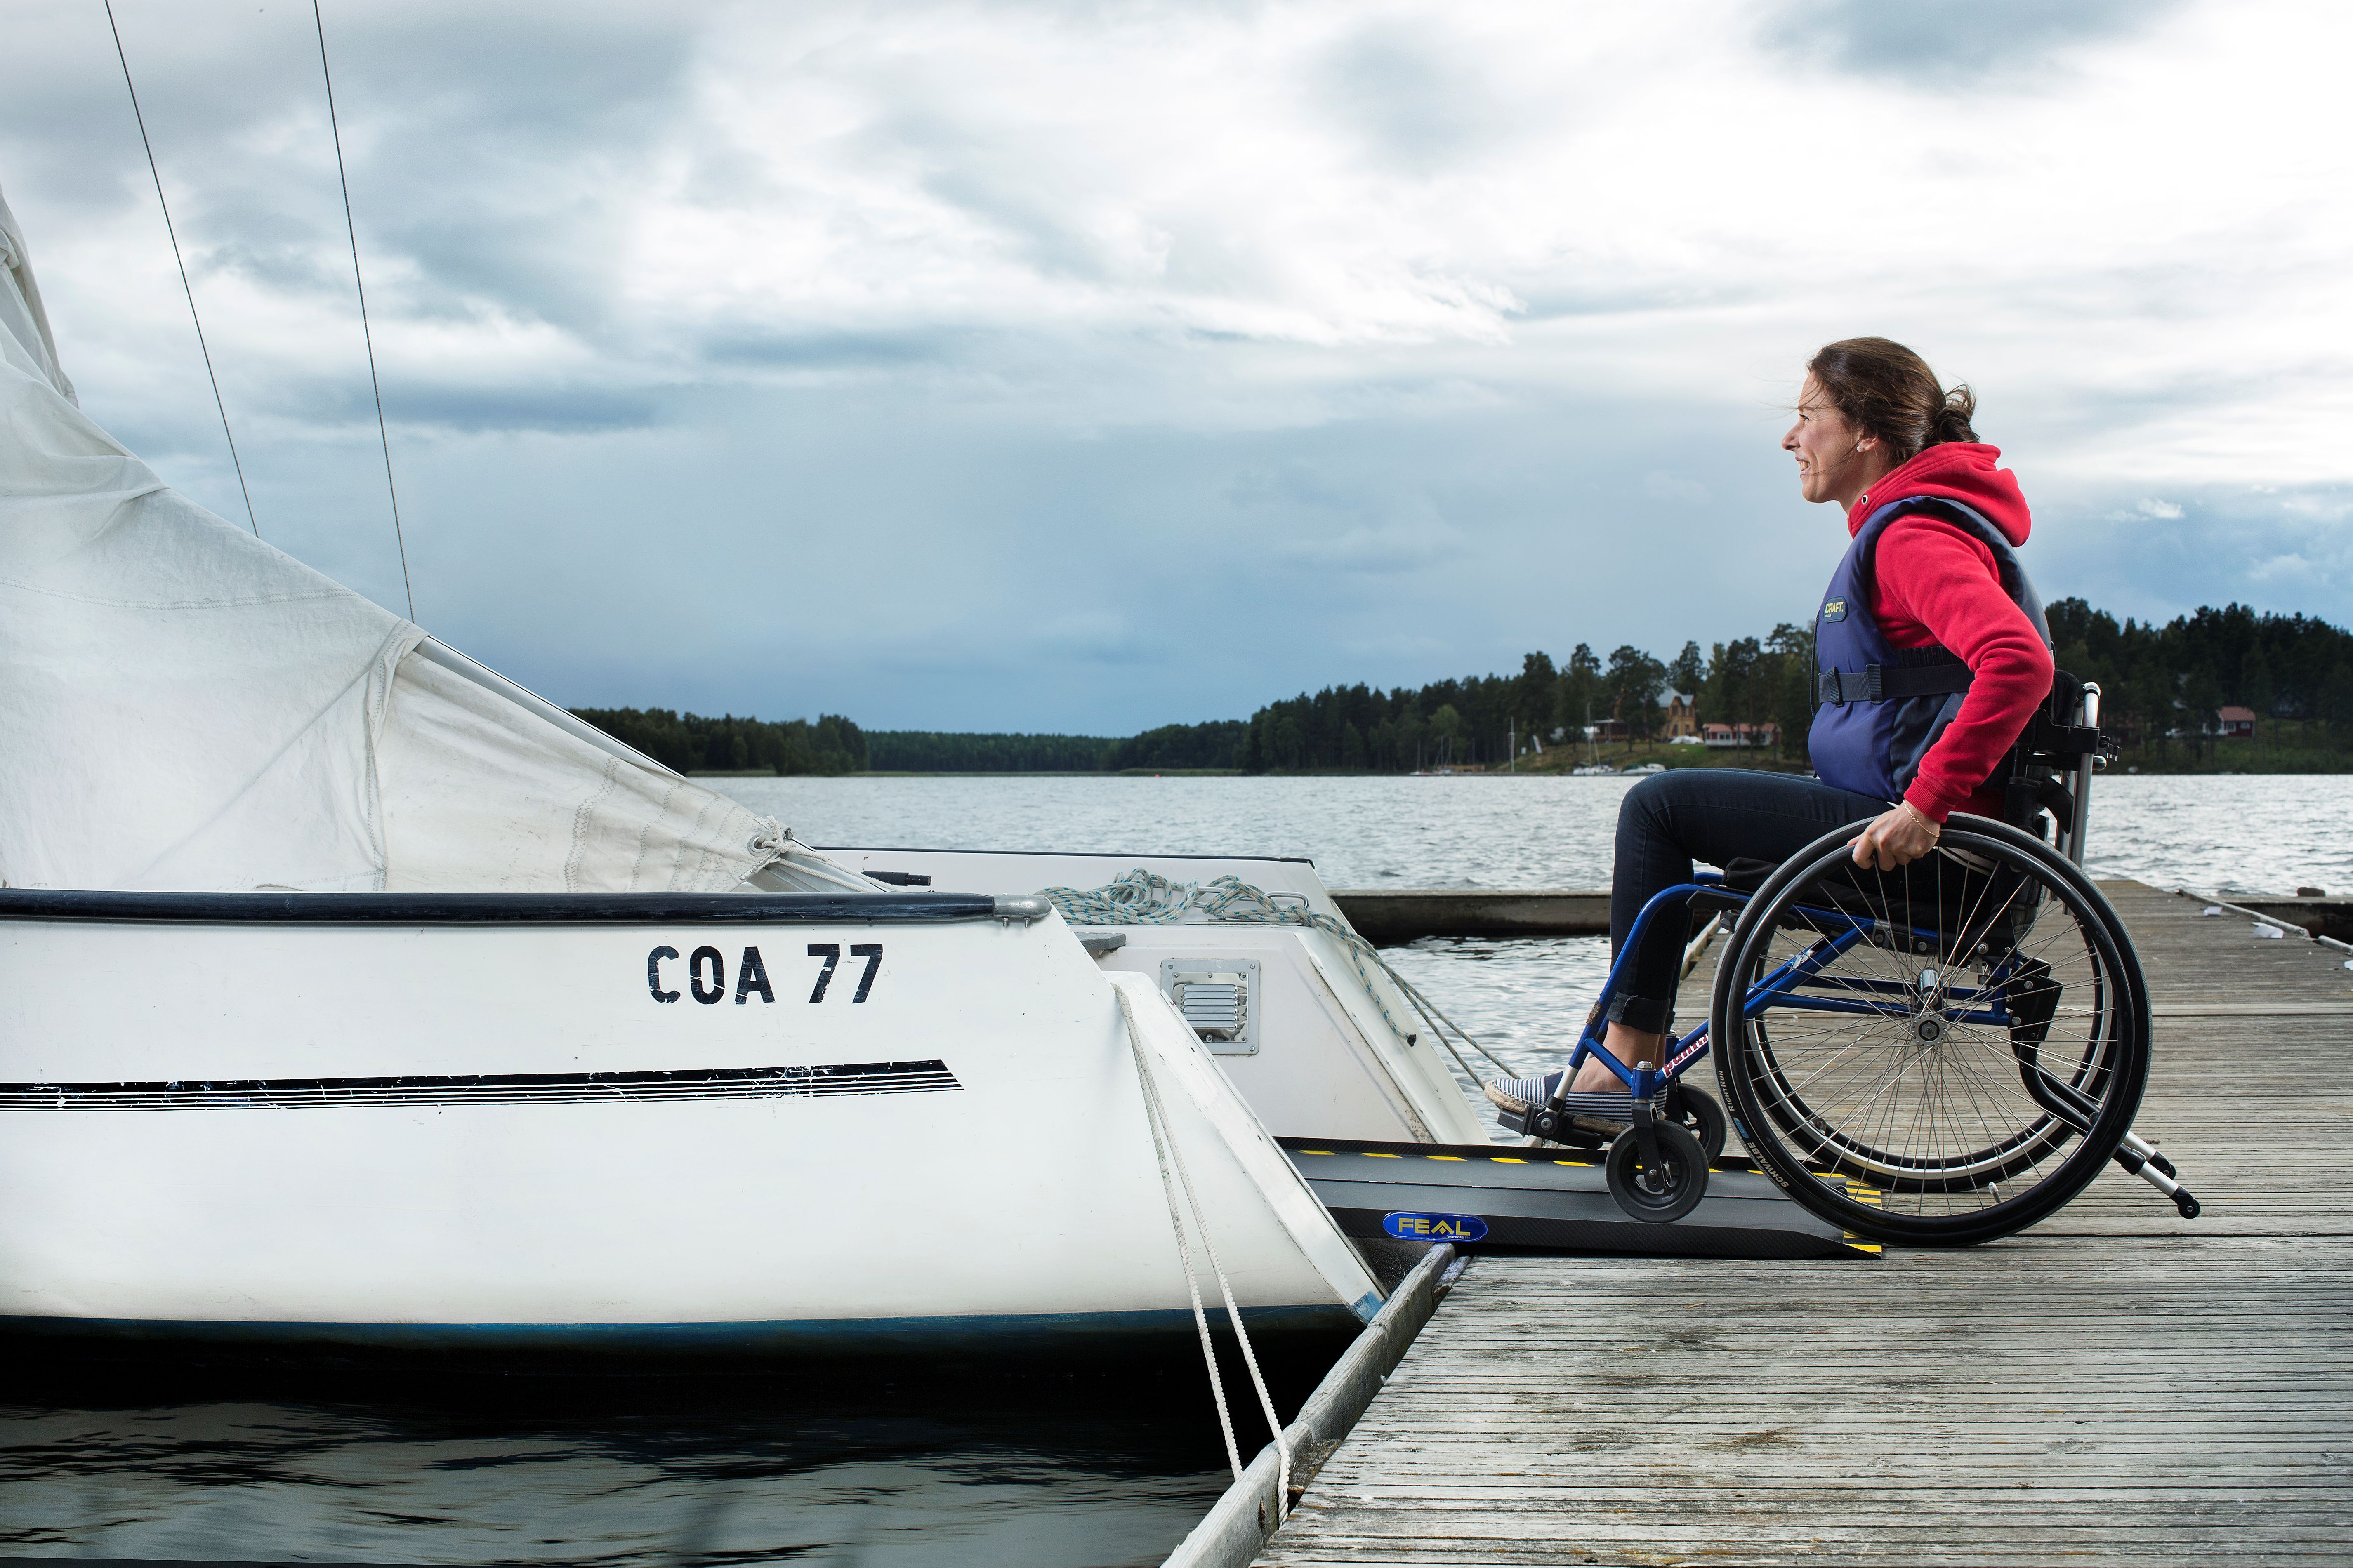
x=1711, y=815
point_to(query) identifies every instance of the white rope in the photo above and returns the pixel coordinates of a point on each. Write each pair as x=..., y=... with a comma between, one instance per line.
x=1164, y=1146
x=798, y=866
x=1141, y=898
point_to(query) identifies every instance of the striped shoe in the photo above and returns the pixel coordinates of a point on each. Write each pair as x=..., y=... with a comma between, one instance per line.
x=1521, y=1095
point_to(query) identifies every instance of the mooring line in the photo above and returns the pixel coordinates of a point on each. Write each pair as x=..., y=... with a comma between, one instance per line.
x=1165, y=1148
x=382, y=434
x=185, y=288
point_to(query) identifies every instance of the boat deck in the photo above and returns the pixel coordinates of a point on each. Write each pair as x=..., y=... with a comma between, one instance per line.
x=2117, y=1385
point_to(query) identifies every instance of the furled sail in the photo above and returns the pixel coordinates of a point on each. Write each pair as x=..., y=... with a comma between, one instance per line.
x=182, y=706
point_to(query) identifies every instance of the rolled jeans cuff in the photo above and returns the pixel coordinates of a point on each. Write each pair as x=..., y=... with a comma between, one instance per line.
x=1646, y=1014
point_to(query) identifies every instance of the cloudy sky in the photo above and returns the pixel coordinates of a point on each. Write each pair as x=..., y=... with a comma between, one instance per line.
x=1089, y=366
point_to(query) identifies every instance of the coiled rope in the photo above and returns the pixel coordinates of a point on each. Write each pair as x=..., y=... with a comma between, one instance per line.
x=1140, y=898
x=1166, y=1149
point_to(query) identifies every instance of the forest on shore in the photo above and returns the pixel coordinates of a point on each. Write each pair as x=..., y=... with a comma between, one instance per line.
x=2165, y=688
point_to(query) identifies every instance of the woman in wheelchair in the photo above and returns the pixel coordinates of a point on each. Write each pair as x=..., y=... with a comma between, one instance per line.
x=1911, y=989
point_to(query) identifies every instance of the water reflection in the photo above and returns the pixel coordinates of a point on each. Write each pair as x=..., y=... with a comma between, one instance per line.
x=901, y=1475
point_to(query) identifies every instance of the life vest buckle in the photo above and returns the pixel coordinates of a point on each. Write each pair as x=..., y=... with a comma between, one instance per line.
x=1840, y=687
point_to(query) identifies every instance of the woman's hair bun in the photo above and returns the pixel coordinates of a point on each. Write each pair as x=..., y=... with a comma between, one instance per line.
x=1952, y=421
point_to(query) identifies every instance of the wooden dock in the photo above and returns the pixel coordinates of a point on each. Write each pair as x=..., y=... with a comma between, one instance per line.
x=1389, y=916
x=2115, y=1385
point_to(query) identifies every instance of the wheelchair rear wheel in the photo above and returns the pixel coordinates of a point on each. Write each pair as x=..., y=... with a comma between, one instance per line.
x=1939, y=1056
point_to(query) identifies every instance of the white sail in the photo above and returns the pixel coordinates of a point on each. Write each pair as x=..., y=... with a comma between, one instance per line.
x=182, y=706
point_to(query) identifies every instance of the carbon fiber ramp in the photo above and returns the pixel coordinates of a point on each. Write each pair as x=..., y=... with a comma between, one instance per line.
x=1555, y=1200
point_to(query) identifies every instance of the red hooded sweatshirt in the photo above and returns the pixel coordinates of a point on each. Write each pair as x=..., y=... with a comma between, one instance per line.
x=1935, y=582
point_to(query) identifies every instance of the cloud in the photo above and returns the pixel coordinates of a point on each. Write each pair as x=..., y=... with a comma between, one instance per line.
x=2282, y=549
x=476, y=410
x=1418, y=103
x=1095, y=637
x=1399, y=545
x=1953, y=43
x=2289, y=568
x=761, y=346
x=779, y=358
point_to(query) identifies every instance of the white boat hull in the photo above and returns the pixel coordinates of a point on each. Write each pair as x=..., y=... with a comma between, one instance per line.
x=380, y=1131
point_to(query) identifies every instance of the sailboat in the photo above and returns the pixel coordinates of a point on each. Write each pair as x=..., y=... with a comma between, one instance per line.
x=350, y=992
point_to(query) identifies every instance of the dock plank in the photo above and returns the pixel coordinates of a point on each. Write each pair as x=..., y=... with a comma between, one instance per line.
x=2115, y=1385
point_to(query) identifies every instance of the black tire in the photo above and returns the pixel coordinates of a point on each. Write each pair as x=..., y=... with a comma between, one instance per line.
x=1701, y=1115
x=1937, y=1122
x=1663, y=1196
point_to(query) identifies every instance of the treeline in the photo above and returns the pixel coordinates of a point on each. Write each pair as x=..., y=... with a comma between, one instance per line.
x=1173, y=747
x=2165, y=683
x=1478, y=720
x=692, y=743
x=1170, y=748
x=2161, y=684
x=937, y=751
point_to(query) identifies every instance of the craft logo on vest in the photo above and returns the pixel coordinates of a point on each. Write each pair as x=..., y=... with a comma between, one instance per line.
x=1834, y=610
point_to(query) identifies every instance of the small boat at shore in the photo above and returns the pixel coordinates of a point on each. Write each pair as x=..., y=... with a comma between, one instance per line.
x=352, y=993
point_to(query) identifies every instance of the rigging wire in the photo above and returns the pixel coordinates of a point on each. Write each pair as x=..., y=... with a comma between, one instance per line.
x=184, y=286
x=382, y=434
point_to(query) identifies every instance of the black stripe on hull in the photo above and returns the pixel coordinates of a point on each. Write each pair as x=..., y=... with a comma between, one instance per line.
x=487, y=1089
x=498, y=909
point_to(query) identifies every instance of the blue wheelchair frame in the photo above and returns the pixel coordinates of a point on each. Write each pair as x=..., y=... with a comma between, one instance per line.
x=1778, y=988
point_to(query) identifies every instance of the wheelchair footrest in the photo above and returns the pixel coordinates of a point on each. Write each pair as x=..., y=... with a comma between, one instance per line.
x=1584, y=1121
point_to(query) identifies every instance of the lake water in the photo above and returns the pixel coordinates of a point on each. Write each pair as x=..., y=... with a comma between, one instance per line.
x=2255, y=832
x=1523, y=1000
x=524, y=1472
x=618, y=1472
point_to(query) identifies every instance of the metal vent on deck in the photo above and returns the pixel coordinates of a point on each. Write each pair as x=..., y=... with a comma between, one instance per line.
x=1218, y=997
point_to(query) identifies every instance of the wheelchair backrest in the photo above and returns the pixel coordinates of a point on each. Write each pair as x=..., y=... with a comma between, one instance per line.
x=2051, y=768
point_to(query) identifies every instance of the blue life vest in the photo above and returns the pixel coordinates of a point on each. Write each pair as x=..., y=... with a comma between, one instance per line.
x=1880, y=706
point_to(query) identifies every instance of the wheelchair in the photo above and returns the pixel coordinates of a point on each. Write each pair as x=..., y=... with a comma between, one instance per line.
x=1937, y=1056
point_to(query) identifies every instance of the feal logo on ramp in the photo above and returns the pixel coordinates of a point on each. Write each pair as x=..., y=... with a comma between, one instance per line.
x=1435, y=1227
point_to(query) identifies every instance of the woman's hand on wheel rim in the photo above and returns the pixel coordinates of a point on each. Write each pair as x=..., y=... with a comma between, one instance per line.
x=1895, y=837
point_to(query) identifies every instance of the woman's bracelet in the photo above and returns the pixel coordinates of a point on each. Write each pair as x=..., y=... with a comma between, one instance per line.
x=1934, y=830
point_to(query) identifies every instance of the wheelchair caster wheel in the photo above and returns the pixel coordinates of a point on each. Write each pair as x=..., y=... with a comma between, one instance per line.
x=1664, y=1193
